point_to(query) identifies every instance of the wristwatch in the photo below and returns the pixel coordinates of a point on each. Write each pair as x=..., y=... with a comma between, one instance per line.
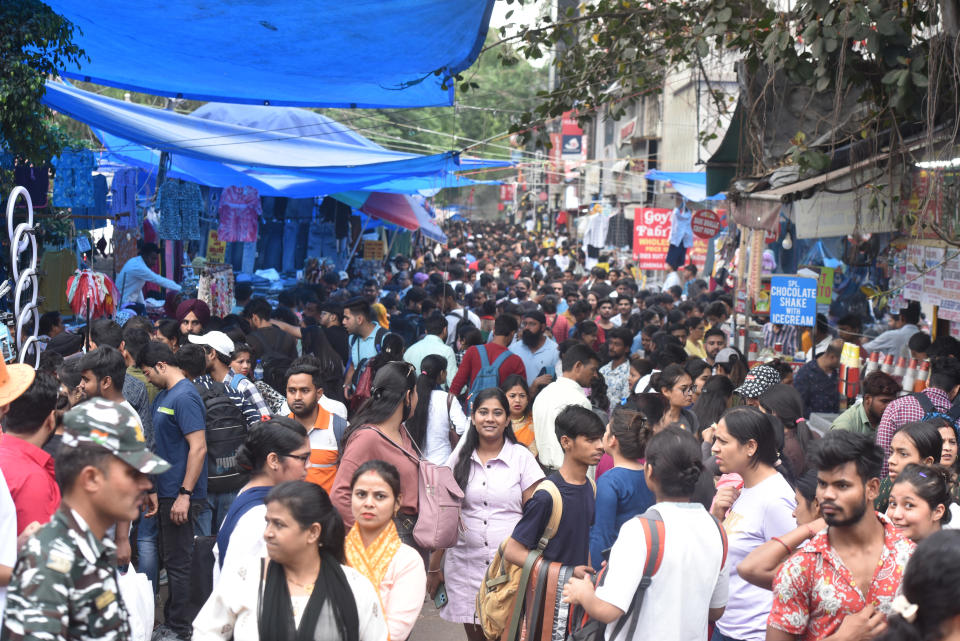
x=184, y=490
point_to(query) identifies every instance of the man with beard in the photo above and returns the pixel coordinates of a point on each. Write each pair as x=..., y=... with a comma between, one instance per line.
x=538, y=352
x=819, y=591
x=324, y=428
x=713, y=341
x=605, y=311
x=879, y=390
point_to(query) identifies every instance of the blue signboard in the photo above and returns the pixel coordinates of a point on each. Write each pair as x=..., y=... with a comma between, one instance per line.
x=793, y=301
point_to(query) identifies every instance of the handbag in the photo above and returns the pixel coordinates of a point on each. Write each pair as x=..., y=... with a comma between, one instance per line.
x=439, y=498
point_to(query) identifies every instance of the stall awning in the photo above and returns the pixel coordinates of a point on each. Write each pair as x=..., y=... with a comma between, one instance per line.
x=324, y=53
x=282, y=151
x=691, y=185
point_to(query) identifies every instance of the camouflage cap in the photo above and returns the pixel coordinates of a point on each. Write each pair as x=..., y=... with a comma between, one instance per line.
x=113, y=427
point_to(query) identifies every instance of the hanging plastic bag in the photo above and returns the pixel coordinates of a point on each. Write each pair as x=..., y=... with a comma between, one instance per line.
x=137, y=594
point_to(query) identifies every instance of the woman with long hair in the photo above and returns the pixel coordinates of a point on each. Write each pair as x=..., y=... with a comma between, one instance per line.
x=785, y=402
x=652, y=407
x=273, y=452
x=920, y=502
x=917, y=442
x=304, y=589
x=377, y=432
x=498, y=475
x=437, y=412
x=374, y=548
x=713, y=403
x=753, y=511
x=676, y=386
x=391, y=349
x=700, y=371
x=622, y=491
x=521, y=410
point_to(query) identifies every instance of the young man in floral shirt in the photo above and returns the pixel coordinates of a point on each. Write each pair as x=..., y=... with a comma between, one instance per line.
x=841, y=583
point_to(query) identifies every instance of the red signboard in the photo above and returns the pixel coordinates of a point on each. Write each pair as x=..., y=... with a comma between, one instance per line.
x=506, y=193
x=651, y=240
x=706, y=224
x=627, y=130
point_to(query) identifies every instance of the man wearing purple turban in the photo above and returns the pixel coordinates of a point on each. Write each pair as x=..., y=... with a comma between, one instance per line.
x=193, y=315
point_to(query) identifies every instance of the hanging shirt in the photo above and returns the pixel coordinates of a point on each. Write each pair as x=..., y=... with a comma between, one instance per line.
x=681, y=228
x=239, y=212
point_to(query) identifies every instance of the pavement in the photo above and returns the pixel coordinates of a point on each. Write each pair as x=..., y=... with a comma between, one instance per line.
x=430, y=627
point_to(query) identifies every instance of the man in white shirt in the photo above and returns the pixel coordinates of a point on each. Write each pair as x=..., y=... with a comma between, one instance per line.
x=580, y=365
x=903, y=326
x=137, y=272
x=434, y=342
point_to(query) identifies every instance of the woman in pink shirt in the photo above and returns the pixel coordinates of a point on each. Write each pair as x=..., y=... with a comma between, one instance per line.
x=498, y=475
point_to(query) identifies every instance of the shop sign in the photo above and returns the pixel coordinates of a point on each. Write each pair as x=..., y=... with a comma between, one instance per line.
x=216, y=248
x=627, y=130
x=373, y=250
x=572, y=140
x=651, y=240
x=793, y=301
x=705, y=223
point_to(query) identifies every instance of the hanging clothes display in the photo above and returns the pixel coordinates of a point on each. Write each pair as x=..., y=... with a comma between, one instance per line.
x=681, y=236
x=37, y=182
x=123, y=203
x=215, y=288
x=240, y=211
x=179, y=205
x=620, y=231
x=92, y=294
x=96, y=216
x=73, y=185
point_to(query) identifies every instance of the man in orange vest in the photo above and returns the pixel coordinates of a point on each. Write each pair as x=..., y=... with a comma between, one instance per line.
x=324, y=428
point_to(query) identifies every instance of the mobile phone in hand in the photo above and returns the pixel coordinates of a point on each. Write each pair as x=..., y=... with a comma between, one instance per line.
x=440, y=599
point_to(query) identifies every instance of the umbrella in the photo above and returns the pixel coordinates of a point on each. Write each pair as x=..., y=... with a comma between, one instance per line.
x=397, y=209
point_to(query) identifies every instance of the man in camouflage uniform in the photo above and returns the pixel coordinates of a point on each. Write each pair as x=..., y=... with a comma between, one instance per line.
x=64, y=586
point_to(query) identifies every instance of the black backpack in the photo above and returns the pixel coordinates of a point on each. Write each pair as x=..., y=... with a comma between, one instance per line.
x=226, y=431
x=930, y=411
x=275, y=362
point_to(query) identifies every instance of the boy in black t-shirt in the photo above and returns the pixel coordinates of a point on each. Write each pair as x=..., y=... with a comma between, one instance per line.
x=580, y=432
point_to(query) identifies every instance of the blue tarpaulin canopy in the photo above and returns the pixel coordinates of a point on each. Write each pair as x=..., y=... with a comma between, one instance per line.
x=691, y=185
x=282, y=151
x=324, y=53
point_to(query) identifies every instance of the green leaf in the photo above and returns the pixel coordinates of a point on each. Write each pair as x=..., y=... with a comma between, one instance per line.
x=724, y=15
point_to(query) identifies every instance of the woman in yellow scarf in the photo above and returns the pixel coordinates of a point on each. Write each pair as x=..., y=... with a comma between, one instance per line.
x=374, y=549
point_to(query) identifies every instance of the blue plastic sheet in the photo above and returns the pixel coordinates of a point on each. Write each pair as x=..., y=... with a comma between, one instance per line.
x=331, y=53
x=691, y=185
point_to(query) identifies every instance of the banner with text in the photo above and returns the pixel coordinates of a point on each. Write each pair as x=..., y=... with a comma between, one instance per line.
x=651, y=240
x=793, y=301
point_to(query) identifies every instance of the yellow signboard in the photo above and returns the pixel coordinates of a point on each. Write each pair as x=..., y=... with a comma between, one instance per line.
x=216, y=248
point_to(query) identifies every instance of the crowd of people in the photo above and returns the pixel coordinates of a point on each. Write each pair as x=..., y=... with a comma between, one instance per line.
x=267, y=466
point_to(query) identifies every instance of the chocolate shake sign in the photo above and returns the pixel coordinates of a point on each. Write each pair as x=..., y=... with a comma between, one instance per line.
x=651, y=239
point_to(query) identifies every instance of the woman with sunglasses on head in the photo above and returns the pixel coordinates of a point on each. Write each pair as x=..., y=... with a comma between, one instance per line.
x=374, y=548
x=754, y=510
x=377, y=432
x=304, y=589
x=274, y=452
x=677, y=387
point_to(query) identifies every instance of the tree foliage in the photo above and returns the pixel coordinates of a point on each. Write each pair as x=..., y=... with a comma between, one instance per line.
x=892, y=57
x=34, y=43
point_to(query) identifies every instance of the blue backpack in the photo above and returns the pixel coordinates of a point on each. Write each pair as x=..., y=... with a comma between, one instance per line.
x=488, y=376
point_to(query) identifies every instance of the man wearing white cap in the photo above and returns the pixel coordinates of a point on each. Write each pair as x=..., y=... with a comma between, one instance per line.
x=219, y=356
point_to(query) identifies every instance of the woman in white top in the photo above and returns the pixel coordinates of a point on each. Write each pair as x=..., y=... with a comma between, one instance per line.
x=747, y=443
x=304, y=590
x=274, y=451
x=431, y=424
x=690, y=588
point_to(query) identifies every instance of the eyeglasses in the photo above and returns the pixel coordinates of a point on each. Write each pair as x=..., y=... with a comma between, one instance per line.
x=689, y=390
x=303, y=458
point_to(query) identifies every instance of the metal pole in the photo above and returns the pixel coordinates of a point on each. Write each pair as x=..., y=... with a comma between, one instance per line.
x=353, y=251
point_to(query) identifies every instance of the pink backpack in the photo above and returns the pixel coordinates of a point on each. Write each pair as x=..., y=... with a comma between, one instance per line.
x=438, y=501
